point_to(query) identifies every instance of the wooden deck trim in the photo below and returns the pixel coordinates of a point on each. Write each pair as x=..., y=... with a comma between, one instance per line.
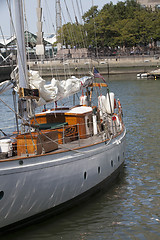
x=62, y=151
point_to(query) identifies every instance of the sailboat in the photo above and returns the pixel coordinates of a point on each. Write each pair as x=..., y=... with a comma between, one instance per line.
x=60, y=156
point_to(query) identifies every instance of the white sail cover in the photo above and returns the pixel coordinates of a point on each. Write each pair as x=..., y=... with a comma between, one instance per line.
x=56, y=89
x=5, y=86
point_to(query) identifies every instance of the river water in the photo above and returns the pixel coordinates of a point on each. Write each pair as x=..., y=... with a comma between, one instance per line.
x=130, y=210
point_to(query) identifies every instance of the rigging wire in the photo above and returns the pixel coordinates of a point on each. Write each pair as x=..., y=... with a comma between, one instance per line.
x=73, y=37
x=3, y=36
x=83, y=36
x=80, y=18
x=12, y=110
x=95, y=33
x=76, y=19
x=48, y=13
x=27, y=36
x=68, y=11
x=81, y=8
x=82, y=33
x=72, y=34
x=28, y=123
x=74, y=11
x=69, y=32
x=78, y=26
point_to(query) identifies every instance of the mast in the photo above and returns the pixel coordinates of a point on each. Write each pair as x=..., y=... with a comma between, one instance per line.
x=40, y=44
x=21, y=51
x=58, y=21
x=58, y=16
x=26, y=95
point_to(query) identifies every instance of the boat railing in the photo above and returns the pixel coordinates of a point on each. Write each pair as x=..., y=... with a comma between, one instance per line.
x=66, y=138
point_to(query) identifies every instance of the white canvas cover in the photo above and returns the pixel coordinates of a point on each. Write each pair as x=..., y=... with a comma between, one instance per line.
x=56, y=89
x=5, y=86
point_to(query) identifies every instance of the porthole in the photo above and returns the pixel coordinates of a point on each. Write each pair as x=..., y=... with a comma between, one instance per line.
x=111, y=163
x=1, y=194
x=118, y=158
x=99, y=170
x=85, y=175
x=20, y=162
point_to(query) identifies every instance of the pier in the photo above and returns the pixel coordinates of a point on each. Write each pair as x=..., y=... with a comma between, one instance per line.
x=106, y=66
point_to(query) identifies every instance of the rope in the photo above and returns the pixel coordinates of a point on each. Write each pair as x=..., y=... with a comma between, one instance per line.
x=25, y=122
x=11, y=109
x=3, y=132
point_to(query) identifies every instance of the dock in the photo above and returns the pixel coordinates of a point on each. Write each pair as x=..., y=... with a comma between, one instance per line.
x=80, y=67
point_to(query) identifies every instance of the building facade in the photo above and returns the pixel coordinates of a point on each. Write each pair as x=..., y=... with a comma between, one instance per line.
x=150, y=3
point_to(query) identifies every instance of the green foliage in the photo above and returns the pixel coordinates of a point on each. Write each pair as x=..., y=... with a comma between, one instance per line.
x=90, y=14
x=124, y=24
x=71, y=34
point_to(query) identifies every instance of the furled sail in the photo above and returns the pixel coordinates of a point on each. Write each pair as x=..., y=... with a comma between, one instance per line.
x=57, y=89
x=5, y=86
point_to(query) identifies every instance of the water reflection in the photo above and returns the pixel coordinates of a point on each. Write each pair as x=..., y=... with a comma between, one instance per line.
x=130, y=209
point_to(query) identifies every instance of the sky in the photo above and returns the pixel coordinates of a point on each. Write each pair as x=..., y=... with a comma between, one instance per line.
x=49, y=13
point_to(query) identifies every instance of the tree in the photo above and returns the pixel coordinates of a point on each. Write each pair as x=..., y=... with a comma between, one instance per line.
x=124, y=24
x=71, y=34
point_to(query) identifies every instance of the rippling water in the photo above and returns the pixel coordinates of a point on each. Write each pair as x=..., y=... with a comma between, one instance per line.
x=131, y=208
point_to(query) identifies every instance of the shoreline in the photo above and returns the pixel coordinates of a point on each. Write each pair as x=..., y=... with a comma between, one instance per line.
x=108, y=67
x=77, y=67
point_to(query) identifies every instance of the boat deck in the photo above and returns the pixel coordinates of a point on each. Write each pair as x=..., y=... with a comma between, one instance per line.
x=33, y=147
x=80, y=143
x=76, y=144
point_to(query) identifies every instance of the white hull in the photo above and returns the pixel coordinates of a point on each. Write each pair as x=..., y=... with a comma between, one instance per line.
x=49, y=181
